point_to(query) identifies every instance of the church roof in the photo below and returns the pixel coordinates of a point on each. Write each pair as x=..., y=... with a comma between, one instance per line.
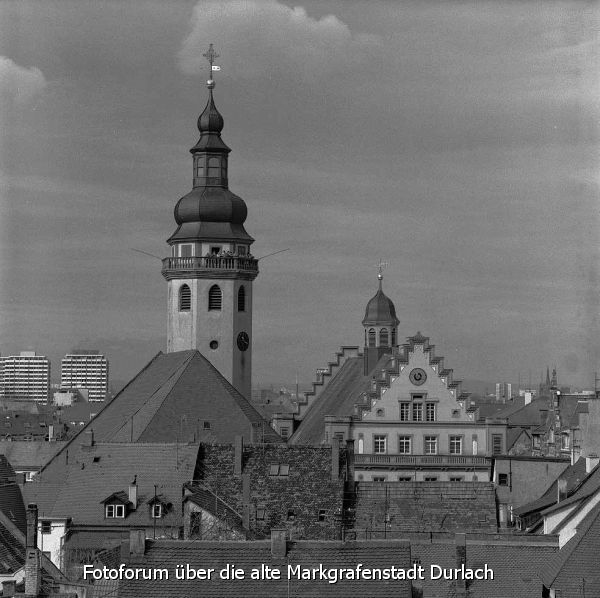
x=177, y=397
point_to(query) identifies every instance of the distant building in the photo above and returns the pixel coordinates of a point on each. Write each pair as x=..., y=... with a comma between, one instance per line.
x=503, y=392
x=25, y=377
x=87, y=370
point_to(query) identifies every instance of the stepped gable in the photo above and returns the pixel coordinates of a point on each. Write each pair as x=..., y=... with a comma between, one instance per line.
x=425, y=507
x=341, y=397
x=577, y=561
x=177, y=397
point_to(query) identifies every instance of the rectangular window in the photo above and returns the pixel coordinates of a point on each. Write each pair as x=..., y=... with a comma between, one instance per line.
x=430, y=444
x=260, y=513
x=322, y=515
x=430, y=412
x=404, y=443
x=115, y=511
x=564, y=441
x=380, y=444
x=496, y=444
x=404, y=412
x=455, y=445
x=455, y=478
x=417, y=412
x=502, y=479
x=157, y=511
x=185, y=250
x=46, y=527
x=284, y=433
x=430, y=478
x=379, y=479
x=274, y=469
x=403, y=478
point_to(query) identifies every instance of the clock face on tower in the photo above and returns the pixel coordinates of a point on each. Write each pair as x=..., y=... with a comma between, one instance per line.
x=243, y=341
x=418, y=376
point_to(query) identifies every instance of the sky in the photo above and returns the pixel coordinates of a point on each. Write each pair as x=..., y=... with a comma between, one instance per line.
x=457, y=141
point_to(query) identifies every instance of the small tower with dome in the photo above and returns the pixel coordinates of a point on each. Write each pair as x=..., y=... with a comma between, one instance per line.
x=210, y=269
x=381, y=326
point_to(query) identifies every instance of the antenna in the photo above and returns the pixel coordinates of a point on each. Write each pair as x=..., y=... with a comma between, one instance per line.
x=270, y=254
x=146, y=253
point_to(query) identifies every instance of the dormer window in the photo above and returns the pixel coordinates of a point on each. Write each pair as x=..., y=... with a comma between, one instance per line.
x=156, y=511
x=114, y=511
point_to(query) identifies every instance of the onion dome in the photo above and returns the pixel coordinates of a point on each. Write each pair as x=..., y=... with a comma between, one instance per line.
x=210, y=210
x=380, y=309
x=210, y=125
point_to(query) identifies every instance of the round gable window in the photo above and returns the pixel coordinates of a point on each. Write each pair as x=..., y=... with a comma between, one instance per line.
x=380, y=412
x=214, y=345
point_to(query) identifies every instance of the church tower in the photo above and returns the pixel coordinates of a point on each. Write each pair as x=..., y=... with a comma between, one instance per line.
x=380, y=323
x=210, y=269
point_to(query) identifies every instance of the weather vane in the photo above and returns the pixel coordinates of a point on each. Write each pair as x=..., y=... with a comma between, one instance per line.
x=210, y=55
x=381, y=265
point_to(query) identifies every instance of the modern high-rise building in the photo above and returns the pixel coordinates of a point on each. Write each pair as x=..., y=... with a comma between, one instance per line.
x=503, y=392
x=25, y=377
x=85, y=369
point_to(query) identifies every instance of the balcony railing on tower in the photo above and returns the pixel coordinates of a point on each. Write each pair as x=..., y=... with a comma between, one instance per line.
x=230, y=264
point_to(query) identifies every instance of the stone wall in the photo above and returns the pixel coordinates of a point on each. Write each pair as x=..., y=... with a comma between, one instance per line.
x=279, y=486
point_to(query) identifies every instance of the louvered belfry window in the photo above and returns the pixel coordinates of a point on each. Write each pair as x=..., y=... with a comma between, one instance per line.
x=185, y=298
x=215, y=298
x=242, y=299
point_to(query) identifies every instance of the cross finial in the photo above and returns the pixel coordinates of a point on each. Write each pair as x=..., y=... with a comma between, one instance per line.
x=211, y=55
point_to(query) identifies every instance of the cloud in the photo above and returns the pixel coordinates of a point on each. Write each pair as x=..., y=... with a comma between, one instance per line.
x=18, y=83
x=270, y=38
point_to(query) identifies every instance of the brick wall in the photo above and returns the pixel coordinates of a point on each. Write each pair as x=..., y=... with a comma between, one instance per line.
x=425, y=506
x=296, y=501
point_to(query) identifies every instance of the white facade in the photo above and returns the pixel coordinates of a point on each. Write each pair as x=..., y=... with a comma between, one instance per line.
x=25, y=377
x=86, y=370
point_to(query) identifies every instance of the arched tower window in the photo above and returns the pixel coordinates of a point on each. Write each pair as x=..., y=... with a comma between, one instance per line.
x=393, y=337
x=215, y=298
x=242, y=299
x=383, y=337
x=371, y=337
x=185, y=298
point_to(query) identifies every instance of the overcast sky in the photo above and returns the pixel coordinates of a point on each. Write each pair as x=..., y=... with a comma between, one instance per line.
x=458, y=141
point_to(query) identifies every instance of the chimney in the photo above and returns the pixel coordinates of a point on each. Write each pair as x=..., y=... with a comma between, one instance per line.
x=461, y=558
x=33, y=570
x=51, y=433
x=9, y=588
x=562, y=489
x=238, y=455
x=133, y=493
x=137, y=543
x=335, y=459
x=88, y=438
x=591, y=461
x=278, y=543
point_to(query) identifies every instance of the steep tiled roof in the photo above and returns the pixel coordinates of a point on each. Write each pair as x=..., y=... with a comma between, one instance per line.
x=249, y=555
x=574, y=570
x=527, y=415
x=574, y=475
x=169, y=400
x=589, y=486
x=338, y=398
x=29, y=455
x=516, y=566
x=75, y=489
